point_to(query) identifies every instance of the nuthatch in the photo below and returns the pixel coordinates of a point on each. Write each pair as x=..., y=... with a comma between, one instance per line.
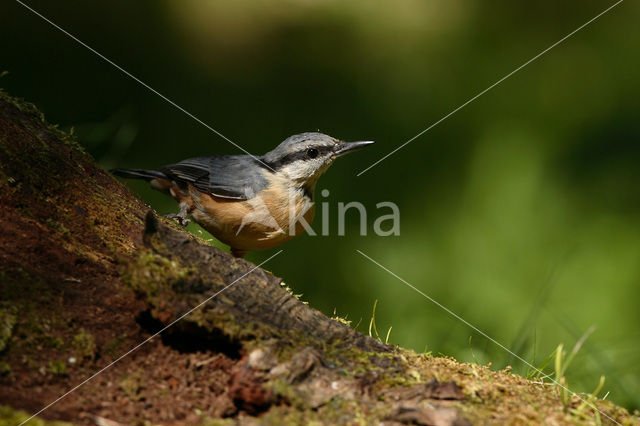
x=250, y=203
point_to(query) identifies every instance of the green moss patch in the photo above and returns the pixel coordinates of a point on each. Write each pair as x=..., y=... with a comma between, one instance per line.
x=11, y=417
x=7, y=321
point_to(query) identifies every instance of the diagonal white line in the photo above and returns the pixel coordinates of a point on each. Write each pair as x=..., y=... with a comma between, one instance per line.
x=141, y=82
x=492, y=86
x=148, y=339
x=458, y=317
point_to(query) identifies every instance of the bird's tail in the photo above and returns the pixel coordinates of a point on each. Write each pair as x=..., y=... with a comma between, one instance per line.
x=139, y=174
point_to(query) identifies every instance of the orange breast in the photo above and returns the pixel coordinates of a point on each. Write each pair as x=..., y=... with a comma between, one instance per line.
x=263, y=222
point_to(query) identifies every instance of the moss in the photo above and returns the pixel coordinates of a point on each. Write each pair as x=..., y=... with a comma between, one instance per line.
x=158, y=277
x=208, y=421
x=290, y=291
x=63, y=230
x=131, y=385
x=290, y=343
x=341, y=320
x=250, y=334
x=287, y=392
x=112, y=346
x=7, y=321
x=151, y=274
x=284, y=415
x=31, y=110
x=357, y=361
x=27, y=162
x=54, y=342
x=85, y=344
x=11, y=417
x=347, y=410
x=5, y=368
x=106, y=222
x=57, y=367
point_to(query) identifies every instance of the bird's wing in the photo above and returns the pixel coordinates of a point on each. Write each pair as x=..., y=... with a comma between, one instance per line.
x=237, y=177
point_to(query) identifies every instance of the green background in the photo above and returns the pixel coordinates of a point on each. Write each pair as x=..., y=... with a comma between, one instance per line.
x=520, y=212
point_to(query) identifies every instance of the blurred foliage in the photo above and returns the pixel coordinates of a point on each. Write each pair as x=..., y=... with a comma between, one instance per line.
x=520, y=213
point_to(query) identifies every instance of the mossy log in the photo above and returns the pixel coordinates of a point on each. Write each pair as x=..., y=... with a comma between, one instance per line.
x=88, y=272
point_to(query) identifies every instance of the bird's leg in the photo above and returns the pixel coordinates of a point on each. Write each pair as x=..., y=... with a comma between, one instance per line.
x=181, y=217
x=238, y=253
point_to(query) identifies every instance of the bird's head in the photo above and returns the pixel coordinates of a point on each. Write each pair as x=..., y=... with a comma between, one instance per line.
x=304, y=157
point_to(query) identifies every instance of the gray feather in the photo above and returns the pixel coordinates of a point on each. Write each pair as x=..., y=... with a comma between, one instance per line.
x=238, y=177
x=138, y=174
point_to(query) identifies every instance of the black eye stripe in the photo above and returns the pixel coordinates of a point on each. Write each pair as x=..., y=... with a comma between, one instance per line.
x=322, y=150
x=300, y=155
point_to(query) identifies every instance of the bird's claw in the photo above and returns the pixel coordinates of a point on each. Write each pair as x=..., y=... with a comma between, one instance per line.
x=182, y=221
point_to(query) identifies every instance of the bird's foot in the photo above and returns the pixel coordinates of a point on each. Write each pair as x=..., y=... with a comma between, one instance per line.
x=238, y=253
x=182, y=221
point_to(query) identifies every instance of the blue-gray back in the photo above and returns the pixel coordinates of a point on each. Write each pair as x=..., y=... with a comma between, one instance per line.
x=228, y=176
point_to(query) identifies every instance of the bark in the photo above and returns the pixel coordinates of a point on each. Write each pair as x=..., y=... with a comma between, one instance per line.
x=88, y=272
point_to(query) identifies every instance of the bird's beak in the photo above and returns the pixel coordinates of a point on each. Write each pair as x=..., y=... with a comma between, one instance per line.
x=346, y=147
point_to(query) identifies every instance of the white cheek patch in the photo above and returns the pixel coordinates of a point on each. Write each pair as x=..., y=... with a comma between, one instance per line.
x=302, y=169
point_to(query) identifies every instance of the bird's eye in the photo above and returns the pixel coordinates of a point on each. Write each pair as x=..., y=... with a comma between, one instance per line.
x=312, y=153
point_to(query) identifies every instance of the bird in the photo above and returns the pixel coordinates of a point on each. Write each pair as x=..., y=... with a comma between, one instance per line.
x=249, y=203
